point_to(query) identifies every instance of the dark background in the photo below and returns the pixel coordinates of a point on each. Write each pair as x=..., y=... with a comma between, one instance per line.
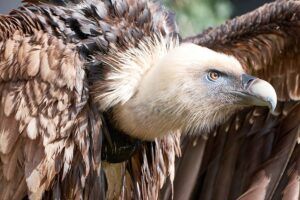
x=240, y=7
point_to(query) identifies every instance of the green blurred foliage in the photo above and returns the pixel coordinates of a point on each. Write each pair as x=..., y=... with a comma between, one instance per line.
x=195, y=15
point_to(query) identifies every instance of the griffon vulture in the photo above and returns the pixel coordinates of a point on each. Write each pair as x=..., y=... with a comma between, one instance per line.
x=91, y=80
x=256, y=154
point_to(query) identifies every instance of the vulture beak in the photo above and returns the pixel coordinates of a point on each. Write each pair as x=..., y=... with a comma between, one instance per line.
x=257, y=92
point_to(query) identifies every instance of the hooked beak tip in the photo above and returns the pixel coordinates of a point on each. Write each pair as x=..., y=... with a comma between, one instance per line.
x=265, y=93
x=272, y=105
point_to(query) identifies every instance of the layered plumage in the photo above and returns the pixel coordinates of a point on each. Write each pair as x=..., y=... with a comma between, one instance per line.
x=255, y=155
x=51, y=129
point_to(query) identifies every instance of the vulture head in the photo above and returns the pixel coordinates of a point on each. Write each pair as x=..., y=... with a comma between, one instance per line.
x=190, y=88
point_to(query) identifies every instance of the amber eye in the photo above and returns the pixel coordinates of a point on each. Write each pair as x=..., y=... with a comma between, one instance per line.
x=213, y=76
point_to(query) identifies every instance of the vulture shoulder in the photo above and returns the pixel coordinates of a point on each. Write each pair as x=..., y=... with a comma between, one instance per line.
x=255, y=155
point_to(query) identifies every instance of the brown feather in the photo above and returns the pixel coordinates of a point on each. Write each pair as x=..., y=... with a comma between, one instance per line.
x=32, y=102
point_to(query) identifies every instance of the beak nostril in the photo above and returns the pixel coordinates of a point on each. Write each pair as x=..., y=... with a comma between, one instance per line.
x=247, y=80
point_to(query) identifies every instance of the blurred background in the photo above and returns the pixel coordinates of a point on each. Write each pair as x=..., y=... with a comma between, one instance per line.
x=192, y=15
x=195, y=15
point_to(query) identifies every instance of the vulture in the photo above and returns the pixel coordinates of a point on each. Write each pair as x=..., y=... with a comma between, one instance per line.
x=99, y=96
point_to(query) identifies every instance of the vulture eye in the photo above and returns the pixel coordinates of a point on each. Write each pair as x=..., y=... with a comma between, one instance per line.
x=213, y=75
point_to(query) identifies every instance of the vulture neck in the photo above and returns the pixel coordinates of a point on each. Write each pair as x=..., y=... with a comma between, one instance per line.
x=152, y=111
x=126, y=90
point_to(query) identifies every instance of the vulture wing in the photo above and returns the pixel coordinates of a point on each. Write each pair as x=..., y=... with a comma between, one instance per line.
x=255, y=155
x=46, y=121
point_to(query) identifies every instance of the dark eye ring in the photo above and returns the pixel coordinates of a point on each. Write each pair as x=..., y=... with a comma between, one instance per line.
x=213, y=75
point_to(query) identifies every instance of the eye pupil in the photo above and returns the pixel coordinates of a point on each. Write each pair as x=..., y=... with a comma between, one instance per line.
x=213, y=75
